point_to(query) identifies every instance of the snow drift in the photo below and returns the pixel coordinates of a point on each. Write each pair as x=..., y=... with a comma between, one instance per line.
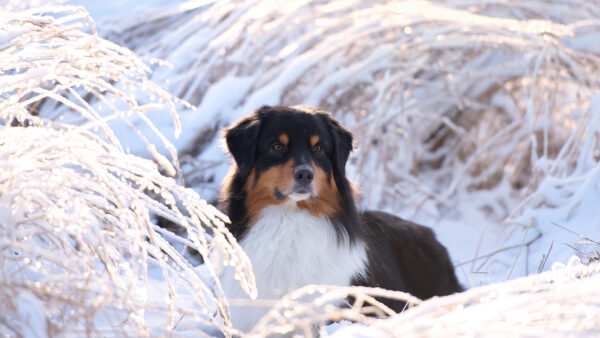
x=563, y=302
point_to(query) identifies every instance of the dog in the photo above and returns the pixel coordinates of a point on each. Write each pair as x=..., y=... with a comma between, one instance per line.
x=293, y=211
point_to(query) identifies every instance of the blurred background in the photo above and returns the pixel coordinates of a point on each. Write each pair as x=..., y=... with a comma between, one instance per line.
x=476, y=118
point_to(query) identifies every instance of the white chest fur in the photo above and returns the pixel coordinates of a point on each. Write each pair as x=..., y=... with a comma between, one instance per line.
x=290, y=248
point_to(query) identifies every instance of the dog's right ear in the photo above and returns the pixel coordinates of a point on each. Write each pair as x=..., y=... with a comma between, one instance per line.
x=242, y=140
x=342, y=142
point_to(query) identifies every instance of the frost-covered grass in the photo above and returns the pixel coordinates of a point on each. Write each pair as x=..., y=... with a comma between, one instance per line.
x=79, y=252
x=465, y=101
x=563, y=302
x=477, y=118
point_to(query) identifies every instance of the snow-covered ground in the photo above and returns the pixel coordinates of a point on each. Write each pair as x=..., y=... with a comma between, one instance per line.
x=479, y=119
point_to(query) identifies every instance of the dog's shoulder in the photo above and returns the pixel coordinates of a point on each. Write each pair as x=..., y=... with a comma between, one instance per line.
x=381, y=222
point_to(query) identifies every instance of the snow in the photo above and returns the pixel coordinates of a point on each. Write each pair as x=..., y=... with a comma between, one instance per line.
x=446, y=100
x=31, y=313
x=105, y=10
x=555, y=303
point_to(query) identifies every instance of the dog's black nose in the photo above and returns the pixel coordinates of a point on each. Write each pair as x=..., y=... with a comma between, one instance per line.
x=303, y=175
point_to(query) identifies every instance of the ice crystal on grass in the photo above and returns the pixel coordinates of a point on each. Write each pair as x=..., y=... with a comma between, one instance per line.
x=304, y=309
x=79, y=251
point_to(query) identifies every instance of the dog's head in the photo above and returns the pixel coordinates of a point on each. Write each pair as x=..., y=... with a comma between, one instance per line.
x=290, y=154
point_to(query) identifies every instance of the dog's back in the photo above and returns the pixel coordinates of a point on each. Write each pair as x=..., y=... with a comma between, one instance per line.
x=405, y=256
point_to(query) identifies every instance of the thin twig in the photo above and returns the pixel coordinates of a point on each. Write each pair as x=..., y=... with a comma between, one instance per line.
x=497, y=251
x=575, y=249
x=545, y=258
x=519, y=252
x=573, y=232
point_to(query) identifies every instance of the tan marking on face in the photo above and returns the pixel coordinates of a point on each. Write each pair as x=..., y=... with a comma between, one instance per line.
x=284, y=139
x=326, y=192
x=261, y=188
x=314, y=140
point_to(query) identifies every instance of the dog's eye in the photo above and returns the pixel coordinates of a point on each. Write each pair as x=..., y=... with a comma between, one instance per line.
x=277, y=146
x=318, y=147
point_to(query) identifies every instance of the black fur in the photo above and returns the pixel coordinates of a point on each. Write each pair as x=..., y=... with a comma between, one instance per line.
x=242, y=140
x=407, y=257
x=401, y=255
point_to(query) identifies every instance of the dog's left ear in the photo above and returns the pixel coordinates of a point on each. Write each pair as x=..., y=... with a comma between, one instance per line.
x=342, y=142
x=242, y=140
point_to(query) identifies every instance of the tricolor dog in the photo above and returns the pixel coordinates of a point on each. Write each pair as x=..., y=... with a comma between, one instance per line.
x=292, y=209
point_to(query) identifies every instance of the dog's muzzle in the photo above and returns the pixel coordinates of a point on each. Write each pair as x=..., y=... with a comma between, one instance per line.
x=303, y=178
